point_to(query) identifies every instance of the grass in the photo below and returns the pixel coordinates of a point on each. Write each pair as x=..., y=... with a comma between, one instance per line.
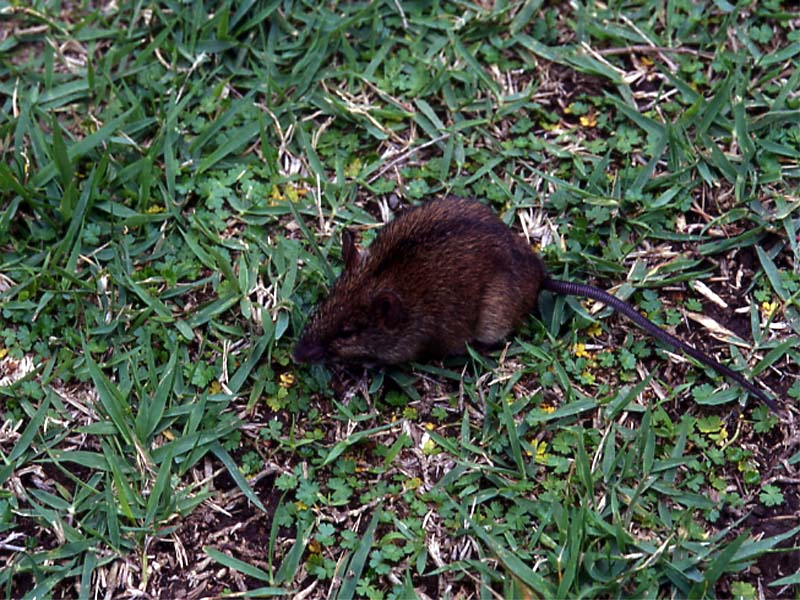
x=174, y=178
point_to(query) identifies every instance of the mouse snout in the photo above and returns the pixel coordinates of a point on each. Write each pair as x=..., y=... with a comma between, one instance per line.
x=308, y=352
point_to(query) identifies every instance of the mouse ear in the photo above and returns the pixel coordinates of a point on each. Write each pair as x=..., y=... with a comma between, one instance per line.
x=350, y=253
x=389, y=308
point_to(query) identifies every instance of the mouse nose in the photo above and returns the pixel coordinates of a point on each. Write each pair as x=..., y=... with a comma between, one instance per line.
x=308, y=352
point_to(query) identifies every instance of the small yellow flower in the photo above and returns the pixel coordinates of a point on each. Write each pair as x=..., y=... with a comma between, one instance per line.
x=314, y=547
x=745, y=465
x=294, y=193
x=428, y=445
x=300, y=505
x=768, y=309
x=548, y=408
x=414, y=483
x=3, y=352
x=291, y=192
x=430, y=426
x=353, y=169
x=286, y=380
x=541, y=453
x=215, y=387
x=579, y=350
x=588, y=120
x=594, y=329
x=720, y=437
x=155, y=210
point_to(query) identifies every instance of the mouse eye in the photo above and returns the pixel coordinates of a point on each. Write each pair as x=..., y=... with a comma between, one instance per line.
x=347, y=331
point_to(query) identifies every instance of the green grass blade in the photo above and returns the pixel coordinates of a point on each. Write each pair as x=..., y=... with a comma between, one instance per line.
x=359, y=558
x=239, y=565
x=236, y=475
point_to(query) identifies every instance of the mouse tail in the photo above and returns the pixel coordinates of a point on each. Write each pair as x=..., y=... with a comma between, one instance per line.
x=570, y=288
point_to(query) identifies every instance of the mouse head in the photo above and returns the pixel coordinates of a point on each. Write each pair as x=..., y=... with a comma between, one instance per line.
x=361, y=320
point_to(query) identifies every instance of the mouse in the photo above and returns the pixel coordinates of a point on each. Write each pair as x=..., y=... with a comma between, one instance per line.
x=442, y=275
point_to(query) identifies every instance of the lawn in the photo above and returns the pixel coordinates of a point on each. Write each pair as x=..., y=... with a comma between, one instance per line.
x=174, y=181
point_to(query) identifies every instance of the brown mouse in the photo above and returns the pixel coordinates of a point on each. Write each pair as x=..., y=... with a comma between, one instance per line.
x=438, y=277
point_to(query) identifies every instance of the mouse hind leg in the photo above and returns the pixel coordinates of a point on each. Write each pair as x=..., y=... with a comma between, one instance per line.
x=503, y=306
